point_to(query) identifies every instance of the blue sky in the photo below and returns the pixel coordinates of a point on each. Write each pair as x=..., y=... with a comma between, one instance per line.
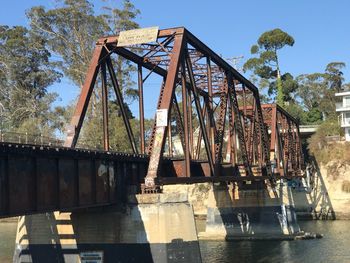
x=321, y=29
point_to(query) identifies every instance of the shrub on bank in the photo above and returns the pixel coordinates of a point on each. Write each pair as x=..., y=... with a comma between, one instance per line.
x=346, y=186
x=325, y=150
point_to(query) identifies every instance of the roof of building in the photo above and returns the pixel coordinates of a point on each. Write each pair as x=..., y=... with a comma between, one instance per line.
x=344, y=93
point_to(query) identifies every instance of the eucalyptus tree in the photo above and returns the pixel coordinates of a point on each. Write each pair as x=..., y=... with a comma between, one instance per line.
x=72, y=29
x=316, y=91
x=266, y=64
x=26, y=72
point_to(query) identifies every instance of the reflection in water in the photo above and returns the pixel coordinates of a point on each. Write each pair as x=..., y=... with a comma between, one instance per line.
x=334, y=247
x=7, y=241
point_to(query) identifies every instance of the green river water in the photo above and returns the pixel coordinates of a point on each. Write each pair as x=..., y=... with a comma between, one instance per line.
x=334, y=247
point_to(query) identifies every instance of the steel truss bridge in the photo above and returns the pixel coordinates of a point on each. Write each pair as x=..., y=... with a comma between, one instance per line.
x=239, y=139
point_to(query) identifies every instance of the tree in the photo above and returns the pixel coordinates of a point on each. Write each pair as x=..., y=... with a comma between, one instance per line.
x=72, y=30
x=26, y=72
x=334, y=75
x=266, y=65
x=316, y=92
x=120, y=20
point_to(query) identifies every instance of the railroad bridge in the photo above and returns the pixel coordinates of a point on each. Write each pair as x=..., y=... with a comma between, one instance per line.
x=241, y=147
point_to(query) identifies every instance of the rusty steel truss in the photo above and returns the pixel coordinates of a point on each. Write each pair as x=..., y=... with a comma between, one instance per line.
x=198, y=87
x=204, y=105
x=285, y=142
x=286, y=154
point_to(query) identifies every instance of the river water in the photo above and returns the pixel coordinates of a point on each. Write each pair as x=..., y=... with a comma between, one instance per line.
x=334, y=247
x=7, y=241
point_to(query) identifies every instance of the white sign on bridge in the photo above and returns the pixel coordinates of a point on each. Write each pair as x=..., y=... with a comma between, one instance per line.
x=137, y=36
x=91, y=257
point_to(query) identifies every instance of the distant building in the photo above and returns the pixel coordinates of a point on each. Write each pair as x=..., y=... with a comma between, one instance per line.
x=343, y=107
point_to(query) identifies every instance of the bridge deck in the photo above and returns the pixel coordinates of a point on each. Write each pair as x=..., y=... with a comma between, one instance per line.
x=37, y=179
x=41, y=179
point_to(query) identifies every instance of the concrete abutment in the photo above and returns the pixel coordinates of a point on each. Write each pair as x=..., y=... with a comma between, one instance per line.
x=160, y=227
x=252, y=210
x=151, y=228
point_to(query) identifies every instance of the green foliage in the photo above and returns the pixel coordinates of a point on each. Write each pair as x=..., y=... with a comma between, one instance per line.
x=316, y=91
x=329, y=128
x=303, y=117
x=333, y=70
x=26, y=71
x=254, y=49
x=310, y=89
x=345, y=187
x=71, y=29
x=289, y=86
x=319, y=147
x=92, y=132
x=275, y=39
x=286, y=85
x=280, y=95
x=297, y=112
x=339, y=151
x=313, y=116
x=266, y=64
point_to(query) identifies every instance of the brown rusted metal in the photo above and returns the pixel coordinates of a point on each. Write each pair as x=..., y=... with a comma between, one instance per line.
x=37, y=179
x=205, y=78
x=83, y=102
x=285, y=147
x=141, y=110
x=186, y=122
x=165, y=99
x=121, y=104
x=241, y=137
x=105, y=107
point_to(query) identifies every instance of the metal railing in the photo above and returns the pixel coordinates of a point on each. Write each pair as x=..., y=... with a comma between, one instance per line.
x=37, y=139
x=40, y=139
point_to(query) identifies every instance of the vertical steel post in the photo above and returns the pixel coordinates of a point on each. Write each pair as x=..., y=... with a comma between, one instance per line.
x=141, y=110
x=121, y=105
x=185, y=110
x=105, y=107
x=82, y=105
x=164, y=103
x=210, y=108
x=199, y=112
x=190, y=122
x=170, y=144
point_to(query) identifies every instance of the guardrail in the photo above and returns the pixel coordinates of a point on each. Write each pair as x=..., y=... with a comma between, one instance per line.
x=37, y=139
x=309, y=126
x=41, y=140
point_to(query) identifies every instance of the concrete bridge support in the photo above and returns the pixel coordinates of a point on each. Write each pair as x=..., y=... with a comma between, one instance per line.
x=250, y=211
x=150, y=228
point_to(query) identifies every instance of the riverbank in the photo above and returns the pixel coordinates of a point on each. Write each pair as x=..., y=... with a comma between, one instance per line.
x=325, y=194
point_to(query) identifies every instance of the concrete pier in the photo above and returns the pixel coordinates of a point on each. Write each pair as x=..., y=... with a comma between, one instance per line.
x=150, y=228
x=250, y=211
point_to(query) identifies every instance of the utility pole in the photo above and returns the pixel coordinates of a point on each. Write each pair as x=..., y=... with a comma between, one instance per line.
x=235, y=63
